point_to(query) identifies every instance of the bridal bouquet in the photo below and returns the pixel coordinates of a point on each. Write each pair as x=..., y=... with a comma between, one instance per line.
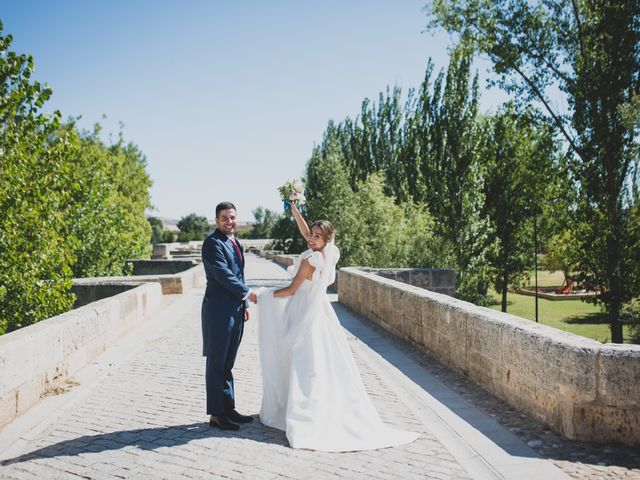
x=292, y=191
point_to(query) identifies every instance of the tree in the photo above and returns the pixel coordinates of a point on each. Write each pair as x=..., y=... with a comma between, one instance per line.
x=330, y=196
x=286, y=237
x=35, y=253
x=69, y=204
x=427, y=153
x=385, y=234
x=588, y=50
x=265, y=219
x=522, y=168
x=193, y=227
x=454, y=178
x=371, y=228
x=157, y=231
x=106, y=209
x=561, y=254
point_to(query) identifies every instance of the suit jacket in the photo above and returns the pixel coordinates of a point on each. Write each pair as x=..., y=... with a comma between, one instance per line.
x=222, y=304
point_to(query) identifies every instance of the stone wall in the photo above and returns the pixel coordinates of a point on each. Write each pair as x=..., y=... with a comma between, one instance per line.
x=434, y=279
x=180, y=282
x=37, y=358
x=92, y=292
x=161, y=267
x=193, y=248
x=255, y=243
x=180, y=249
x=579, y=387
x=284, y=260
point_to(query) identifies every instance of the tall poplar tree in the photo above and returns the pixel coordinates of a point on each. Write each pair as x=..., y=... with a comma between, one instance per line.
x=453, y=174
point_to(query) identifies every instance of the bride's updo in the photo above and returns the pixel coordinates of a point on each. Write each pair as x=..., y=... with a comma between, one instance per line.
x=326, y=229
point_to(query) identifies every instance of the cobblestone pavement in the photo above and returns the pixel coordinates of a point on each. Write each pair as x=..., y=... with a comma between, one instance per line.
x=145, y=419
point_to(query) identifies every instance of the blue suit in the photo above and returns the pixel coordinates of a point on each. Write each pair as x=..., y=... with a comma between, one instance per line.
x=222, y=318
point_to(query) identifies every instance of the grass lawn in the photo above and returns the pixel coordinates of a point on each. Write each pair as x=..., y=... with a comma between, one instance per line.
x=573, y=316
x=547, y=279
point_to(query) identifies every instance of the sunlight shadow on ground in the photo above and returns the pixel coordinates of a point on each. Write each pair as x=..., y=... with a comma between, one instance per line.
x=149, y=439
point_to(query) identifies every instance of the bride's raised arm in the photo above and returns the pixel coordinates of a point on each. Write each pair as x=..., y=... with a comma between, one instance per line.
x=302, y=224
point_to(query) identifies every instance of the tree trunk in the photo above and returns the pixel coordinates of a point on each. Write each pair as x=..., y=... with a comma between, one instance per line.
x=614, y=272
x=616, y=325
x=504, y=291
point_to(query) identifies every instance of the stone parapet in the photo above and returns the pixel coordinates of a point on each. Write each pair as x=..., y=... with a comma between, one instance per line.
x=255, y=243
x=284, y=260
x=87, y=291
x=434, y=279
x=180, y=249
x=161, y=266
x=40, y=358
x=180, y=282
x=168, y=250
x=581, y=388
x=269, y=254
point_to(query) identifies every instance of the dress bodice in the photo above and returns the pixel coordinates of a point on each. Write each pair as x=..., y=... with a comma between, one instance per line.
x=315, y=258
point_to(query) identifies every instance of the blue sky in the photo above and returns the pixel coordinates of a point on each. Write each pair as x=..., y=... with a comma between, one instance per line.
x=225, y=98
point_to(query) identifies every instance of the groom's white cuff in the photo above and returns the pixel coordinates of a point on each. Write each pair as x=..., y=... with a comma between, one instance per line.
x=247, y=295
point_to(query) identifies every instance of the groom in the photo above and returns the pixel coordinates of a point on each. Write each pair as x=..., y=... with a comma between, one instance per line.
x=224, y=311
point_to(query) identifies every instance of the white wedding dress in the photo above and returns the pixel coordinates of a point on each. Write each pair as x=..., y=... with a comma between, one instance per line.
x=311, y=385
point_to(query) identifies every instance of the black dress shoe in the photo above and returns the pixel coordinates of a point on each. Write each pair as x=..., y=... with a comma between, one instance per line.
x=223, y=423
x=238, y=418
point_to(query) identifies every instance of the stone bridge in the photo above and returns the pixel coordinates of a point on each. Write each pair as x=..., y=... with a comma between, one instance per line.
x=115, y=390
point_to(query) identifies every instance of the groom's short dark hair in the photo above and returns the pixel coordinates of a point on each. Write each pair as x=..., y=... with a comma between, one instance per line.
x=224, y=206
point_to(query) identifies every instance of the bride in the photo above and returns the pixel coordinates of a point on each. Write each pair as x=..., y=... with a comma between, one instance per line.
x=312, y=388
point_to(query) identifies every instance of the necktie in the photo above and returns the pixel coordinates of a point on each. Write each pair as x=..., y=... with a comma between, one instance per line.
x=237, y=247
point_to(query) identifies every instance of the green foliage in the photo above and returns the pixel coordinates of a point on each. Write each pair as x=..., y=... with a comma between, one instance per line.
x=387, y=234
x=371, y=228
x=426, y=153
x=589, y=51
x=631, y=310
x=330, y=197
x=157, y=232
x=193, y=227
x=265, y=220
x=523, y=174
x=562, y=254
x=631, y=318
x=107, y=209
x=472, y=246
x=69, y=205
x=168, y=237
x=454, y=175
x=286, y=237
x=35, y=254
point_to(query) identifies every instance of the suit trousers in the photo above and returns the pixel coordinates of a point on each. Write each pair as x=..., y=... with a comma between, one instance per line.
x=219, y=379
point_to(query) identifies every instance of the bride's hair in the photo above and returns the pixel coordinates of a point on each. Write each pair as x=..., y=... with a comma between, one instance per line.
x=326, y=229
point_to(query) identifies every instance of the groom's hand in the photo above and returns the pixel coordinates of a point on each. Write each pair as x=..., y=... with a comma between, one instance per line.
x=246, y=314
x=253, y=297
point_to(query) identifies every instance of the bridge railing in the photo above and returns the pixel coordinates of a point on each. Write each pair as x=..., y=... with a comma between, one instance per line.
x=40, y=358
x=580, y=387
